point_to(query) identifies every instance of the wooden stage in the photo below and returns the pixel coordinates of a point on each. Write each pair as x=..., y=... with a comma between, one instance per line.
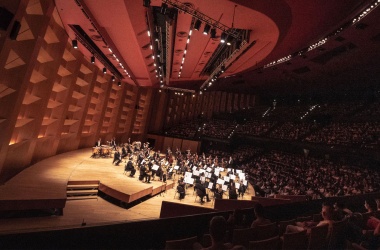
x=44, y=185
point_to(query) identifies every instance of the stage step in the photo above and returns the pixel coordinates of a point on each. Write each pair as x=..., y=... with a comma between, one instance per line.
x=87, y=197
x=78, y=190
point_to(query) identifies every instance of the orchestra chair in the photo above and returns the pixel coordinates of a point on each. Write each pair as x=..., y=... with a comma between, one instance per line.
x=267, y=231
x=186, y=243
x=318, y=237
x=268, y=244
x=337, y=235
x=283, y=224
x=243, y=236
x=294, y=241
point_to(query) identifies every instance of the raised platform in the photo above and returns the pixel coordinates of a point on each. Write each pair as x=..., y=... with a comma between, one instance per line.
x=44, y=185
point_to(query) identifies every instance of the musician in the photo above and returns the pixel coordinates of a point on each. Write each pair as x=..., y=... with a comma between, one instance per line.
x=123, y=152
x=148, y=173
x=129, y=167
x=181, y=188
x=201, y=191
x=142, y=172
x=232, y=192
x=113, y=143
x=241, y=189
x=98, y=143
x=117, y=158
x=219, y=192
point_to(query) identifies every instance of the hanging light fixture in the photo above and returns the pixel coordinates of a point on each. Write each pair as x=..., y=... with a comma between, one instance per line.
x=197, y=25
x=206, y=29
x=92, y=59
x=74, y=43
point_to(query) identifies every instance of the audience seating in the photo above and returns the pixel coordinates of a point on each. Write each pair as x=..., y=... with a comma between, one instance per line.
x=181, y=244
x=318, y=237
x=293, y=241
x=268, y=244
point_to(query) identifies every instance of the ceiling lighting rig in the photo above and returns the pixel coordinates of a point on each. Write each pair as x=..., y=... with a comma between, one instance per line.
x=87, y=42
x=322, y=41
x=179, y=89
x=209, y=22
x=157, y=38
x=227, y=62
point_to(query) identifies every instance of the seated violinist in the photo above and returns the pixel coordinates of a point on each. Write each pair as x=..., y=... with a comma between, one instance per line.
x=129, y=167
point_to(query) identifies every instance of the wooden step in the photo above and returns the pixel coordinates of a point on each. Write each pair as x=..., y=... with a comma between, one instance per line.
x=84, y=197
x=82, y=192
x=83, y=186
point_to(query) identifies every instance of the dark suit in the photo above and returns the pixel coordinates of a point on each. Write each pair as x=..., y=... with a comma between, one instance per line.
x=117, y=158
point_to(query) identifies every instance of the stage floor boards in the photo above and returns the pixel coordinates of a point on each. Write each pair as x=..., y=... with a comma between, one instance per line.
x=49, y=178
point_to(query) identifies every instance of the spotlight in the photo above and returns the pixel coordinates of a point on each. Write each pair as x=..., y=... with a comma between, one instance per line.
x=104, y=70
x=206, y=29
x=223, y=37
x=213, y=33
x=197, y=24
x=75, y=44
x=229, y=40
x=119, y=84
x=113, y=78
x=92, y=59
x=223, y=68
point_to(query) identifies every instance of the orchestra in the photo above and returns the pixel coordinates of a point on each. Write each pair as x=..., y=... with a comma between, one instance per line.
x=207, y=174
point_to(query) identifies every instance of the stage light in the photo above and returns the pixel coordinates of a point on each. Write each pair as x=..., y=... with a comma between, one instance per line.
x=104, y=70
x=93, y=59
x=223, y=37
x=197, y=25
x=213, y=33
x=223, y=68
x=229, y=40
x=75, y=44
x=206, y=29
x=119, y=84
x=113, y=78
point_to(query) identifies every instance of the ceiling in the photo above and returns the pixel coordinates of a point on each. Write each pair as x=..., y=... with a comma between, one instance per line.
x=276, y=29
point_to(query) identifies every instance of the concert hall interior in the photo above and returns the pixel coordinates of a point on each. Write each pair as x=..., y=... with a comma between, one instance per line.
x=137, y=123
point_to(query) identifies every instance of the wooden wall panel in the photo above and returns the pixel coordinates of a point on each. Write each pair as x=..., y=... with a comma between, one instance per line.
x=177, y=143
x=168, y=142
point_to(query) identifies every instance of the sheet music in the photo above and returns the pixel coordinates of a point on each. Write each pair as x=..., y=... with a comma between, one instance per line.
x=232, y=177
x=203, y=179
x=237, y=185
x=189, y=180
x=239, y=171
x=196, y=172
x=226, y=178
x=242, y=176
x=208, y=169
x=176, y=167
x=208, y=175
x=245, y=183
x=155, y=167
x=220, y=181
x=224, y=187
x=210, y=185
